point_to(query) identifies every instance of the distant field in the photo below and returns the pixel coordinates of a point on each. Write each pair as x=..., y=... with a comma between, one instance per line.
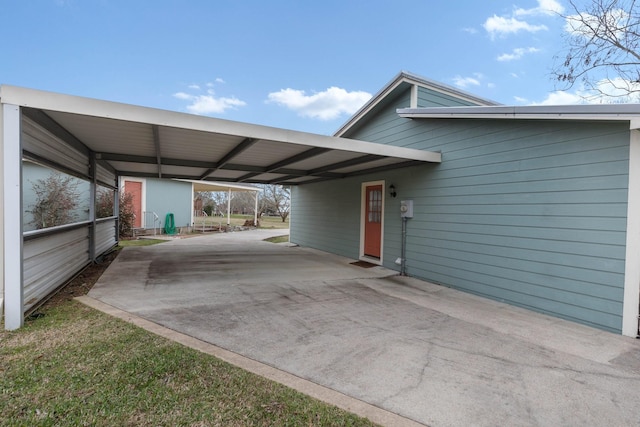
x=265, y=221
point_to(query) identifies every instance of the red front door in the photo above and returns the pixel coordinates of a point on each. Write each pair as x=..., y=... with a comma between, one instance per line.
x=373, y=221
x=135, y=189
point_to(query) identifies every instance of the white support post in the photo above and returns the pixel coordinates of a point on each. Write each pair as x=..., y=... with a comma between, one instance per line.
x=255, y=210
x=12, y=217
x=93, y=189
x=631, y=296
x=229, y=208
x=193, y=197
x=1, y=217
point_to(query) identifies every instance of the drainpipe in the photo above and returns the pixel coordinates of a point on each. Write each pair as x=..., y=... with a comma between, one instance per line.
x=403, y=261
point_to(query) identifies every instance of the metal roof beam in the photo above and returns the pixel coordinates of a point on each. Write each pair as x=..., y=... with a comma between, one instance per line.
x=156, y=142
x=297, y=158
x=249, y=176
x=154, y=175
x=42, y=119
x=246, y=143
x=282, y=179
x=408, y=163
x=347, y=163
x=292, y=172
x=117, y=157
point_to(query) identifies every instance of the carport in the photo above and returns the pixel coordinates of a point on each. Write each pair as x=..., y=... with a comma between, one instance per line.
x=99, y=141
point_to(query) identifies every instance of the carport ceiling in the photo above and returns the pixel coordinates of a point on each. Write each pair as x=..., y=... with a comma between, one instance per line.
x=145, y=142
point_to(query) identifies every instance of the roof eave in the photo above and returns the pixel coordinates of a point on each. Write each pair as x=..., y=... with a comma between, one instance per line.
x=621, y=113
x=401, y=78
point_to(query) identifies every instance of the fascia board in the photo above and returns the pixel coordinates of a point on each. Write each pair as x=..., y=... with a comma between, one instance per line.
x=502, y=114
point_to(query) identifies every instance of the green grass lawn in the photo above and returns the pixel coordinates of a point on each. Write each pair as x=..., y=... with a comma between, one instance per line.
x=78, y=366
x=278, y=239
x=139, y=242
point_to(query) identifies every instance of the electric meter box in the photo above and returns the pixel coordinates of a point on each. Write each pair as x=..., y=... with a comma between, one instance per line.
x=406, y=208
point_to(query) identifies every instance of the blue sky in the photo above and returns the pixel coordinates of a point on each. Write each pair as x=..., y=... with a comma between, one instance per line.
x=303, y=65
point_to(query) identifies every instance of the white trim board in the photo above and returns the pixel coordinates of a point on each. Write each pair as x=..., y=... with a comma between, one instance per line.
x=631, y=297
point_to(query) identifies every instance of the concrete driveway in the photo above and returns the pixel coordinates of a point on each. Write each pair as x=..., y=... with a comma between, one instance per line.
x=428, y=353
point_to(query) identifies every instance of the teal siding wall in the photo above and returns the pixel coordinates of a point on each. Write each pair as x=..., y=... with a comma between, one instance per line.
x=431, y=98
x=530, y=213
x=326, y=216
x=166, y=196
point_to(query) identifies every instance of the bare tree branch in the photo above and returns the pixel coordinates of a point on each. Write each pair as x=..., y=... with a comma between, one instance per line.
x=602, y=53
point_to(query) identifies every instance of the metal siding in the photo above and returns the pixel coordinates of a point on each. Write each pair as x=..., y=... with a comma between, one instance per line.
x=118, y=135
x=191, y=144
x=105, y=235
x=51, y=260
x=38, y=141
x=532, y=213
x=105, y=176
x=167, y=196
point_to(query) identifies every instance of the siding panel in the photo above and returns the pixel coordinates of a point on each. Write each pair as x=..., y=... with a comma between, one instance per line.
x=531, y=213
x=51, y=260
x=105, y=235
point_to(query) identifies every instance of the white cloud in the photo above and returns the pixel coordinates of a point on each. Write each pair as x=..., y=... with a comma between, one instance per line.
x=545, y=7
x=203, y=104
x=194, y=87
x=326, y=105
x=502, y=26
x=470, y=30
x=607, y=92
x=560, y=97
x=521, y=100
x=465, y=82
x=506, y=25
x=517, y=53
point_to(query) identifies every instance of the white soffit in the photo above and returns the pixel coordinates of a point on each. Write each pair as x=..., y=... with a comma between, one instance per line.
x=146, y=142
x=593, y=112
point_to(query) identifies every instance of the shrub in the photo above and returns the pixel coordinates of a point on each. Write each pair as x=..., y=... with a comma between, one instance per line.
x=57, y=198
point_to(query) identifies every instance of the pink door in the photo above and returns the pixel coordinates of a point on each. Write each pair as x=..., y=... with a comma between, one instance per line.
x=373, y=221
x=135, y=189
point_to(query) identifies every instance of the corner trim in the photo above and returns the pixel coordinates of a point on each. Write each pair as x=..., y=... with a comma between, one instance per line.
x=631, y=298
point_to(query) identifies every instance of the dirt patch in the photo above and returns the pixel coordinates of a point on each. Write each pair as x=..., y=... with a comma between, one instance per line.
x=82, y=283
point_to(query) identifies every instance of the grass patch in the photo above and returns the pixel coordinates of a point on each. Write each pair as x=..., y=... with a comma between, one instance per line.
x=73, y=365
x=78, y=366
x=139, y=242
x=278, y=239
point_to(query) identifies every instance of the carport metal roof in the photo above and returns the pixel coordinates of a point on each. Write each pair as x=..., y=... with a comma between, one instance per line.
x=146, y=142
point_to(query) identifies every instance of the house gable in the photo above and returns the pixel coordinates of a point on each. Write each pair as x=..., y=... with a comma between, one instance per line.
x=414, y=92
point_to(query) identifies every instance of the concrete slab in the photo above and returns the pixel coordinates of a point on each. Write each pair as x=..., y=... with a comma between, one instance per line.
x=428, y=353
